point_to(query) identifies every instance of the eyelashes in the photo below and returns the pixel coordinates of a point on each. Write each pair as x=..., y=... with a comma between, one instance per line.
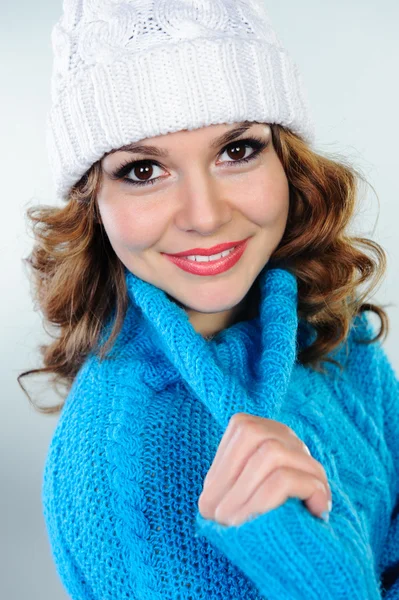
x=257, y=144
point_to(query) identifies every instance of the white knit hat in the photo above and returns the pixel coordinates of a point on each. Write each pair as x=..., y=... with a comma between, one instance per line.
x=125, y=70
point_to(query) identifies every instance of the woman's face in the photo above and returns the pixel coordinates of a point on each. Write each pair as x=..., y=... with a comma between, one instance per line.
x=202, y=196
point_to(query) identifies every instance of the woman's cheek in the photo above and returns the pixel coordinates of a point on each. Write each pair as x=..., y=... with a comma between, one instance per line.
x=268, y=209
x=131, y=227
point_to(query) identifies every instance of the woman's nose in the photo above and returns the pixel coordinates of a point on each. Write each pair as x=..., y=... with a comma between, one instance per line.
x=204, y=206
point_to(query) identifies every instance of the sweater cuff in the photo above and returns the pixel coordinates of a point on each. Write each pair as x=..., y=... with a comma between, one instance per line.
x=290, y=554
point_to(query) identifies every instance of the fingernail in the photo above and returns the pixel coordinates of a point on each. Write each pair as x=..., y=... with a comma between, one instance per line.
x=326, y=514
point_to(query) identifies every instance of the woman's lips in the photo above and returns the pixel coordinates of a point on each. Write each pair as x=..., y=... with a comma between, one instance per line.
x=213, y=267
x=210, y=251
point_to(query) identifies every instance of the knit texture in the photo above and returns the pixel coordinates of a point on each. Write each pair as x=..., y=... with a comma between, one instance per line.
x=139, y=432
x=125, y=70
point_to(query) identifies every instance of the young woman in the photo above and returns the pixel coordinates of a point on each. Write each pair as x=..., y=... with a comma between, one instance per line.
x=223, y=382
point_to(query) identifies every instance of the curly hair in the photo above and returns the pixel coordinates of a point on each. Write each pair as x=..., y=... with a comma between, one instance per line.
x=78, y=279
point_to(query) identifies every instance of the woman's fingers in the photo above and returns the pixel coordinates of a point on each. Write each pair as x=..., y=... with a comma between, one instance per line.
x=268, y=457
x=223, y=498
x=276, y=489
x=242, y=436
x=259, y=464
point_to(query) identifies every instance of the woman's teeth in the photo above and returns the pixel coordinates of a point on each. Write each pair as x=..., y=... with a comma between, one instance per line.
x=197, y=258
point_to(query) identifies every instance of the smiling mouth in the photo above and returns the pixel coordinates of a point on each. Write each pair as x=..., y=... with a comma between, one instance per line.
x=211, y=258
x=218, y=249
x=209, y=265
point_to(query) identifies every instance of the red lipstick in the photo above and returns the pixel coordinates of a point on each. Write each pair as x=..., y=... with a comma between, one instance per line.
x=209, y=251
x=211, y=267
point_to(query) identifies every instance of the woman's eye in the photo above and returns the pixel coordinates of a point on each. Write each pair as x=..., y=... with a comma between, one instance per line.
x=144, y=169
x=238, y=151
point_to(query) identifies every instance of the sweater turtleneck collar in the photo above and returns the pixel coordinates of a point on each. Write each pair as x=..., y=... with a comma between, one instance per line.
x=245, y=366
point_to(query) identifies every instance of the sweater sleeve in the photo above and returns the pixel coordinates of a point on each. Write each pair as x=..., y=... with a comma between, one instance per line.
x=289, y=554
x=65, y=561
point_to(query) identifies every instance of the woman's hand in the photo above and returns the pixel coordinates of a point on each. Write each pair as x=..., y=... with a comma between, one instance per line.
x=259, y=464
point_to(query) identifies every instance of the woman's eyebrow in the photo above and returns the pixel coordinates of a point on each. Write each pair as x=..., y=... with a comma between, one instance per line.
x=162, y=153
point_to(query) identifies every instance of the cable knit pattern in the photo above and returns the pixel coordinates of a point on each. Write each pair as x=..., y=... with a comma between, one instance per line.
x=139, y=432
x=125, y=70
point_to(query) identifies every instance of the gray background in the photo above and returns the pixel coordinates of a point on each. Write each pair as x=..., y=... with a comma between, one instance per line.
x=348, y=55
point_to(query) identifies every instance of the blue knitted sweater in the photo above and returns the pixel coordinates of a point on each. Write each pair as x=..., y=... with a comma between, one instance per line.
x=139, y=431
